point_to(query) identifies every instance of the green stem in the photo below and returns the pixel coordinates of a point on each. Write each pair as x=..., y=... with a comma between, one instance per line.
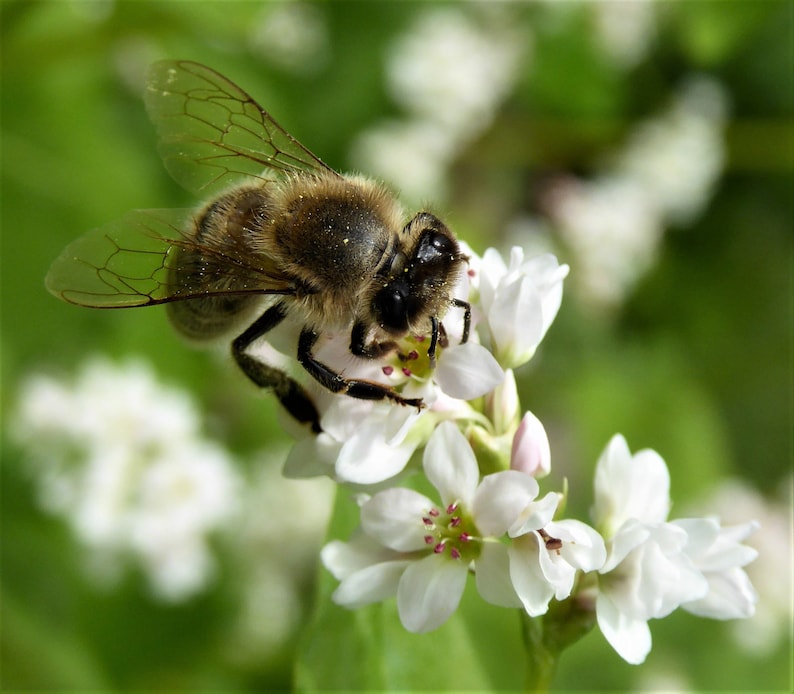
x=541, y=660
x=547, y=636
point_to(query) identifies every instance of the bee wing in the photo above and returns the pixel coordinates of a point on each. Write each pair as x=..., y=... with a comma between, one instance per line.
x=213, y=134
x=127, y=263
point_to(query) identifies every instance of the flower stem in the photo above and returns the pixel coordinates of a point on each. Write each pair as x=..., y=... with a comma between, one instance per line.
x=547, y=636
x=541, y=661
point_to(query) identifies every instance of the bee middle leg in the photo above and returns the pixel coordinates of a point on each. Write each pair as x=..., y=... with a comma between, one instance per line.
x=292, y=396
x=336, y=383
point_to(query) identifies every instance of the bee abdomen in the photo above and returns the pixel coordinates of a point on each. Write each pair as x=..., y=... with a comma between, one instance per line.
x=216, y=260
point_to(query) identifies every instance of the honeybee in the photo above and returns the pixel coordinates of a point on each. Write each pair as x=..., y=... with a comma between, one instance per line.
x=332, y=250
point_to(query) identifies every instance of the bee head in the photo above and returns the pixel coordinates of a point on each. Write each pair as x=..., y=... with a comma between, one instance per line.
x=421, y=277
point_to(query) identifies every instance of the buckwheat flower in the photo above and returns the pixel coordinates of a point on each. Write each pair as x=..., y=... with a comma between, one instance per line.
x=545, y=555
x=120, y=457
x=519, y=301
x=647, y=573
x=718, y=553
x=734, y=501
x=422, y=551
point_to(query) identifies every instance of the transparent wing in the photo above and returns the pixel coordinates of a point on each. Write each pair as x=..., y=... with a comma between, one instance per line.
x=129, y=263
x=213, y=134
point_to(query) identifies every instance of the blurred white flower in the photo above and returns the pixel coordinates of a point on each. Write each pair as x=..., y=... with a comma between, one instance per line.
x=412, y=155
x=625, y=30
x=453, y=70
x=771, y=572
x=678, y=156
x=450, y=72
x=719, y=555
x=274, y=551
x=664, y=175
x=120, y=457
x=292, y=36
x=613, y=230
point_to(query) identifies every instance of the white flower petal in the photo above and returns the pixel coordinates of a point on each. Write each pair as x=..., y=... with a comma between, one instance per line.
x=492, y=270
x=713, y=548
x=731, y=596
x=558, y=572
x=548, y=276
x=630, y=487
x=345, y=558
x=630, y=535
x=468, y=371
x=536, y=515
x=429, y=592
x=450, y=465
x=312, y=456
x=500, y=500
x=582, y=547
x=630, y=637
x=516, y=322
x=367, y=458
x=394, y=518
x=493, y=576
x=530, y=584
x=370, y=584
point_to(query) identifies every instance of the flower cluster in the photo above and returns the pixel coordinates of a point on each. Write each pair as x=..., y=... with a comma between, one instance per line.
x=449, y=72
x=488, y=517
x=120, y=457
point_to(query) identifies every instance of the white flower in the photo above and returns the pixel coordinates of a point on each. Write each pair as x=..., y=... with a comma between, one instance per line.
x=293, y=36
x=545, y=556
x=422, y=551
x=735, y=501
x=411, y=155
x=361, y=442
x=120, y=457
x=648, y=572
x=718, y=553
x=519, y=302
x=453, y=70
x=612, y=226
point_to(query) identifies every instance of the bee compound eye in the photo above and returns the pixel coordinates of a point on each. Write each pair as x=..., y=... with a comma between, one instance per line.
x=441, y=242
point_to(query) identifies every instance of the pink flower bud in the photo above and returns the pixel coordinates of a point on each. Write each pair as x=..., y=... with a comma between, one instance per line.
x=530, y=451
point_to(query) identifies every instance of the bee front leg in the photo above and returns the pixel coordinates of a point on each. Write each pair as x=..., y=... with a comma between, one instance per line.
x=336, y=383
x=292, y=396
x=374, y=350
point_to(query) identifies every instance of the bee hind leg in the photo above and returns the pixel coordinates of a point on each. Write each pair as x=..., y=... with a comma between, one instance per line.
x=336, y=383
x=292, y=396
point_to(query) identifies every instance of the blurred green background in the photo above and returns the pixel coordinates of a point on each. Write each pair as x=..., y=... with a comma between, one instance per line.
x=679, y=336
